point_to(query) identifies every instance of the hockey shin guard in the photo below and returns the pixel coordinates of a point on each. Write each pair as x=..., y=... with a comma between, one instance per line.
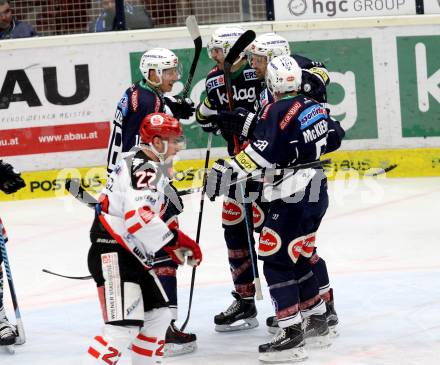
x=147, y=347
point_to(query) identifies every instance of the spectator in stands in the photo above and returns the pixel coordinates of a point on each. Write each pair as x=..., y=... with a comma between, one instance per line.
x=10, y=27
x=135, y=17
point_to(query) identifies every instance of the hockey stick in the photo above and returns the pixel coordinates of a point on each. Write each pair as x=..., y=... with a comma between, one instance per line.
x=199, y=226
x=274, y=172
x=88, y=277
x=193, y=29
x=21, y=338
x=240, y=45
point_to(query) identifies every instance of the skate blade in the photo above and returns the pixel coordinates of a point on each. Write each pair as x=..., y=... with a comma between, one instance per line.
x=333, y=331
x=173, y=349
x=296, y=354
x=240, y=325
x=318, y=342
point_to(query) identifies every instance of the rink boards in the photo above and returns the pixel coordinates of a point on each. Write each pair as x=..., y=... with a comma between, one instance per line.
x=188, y=173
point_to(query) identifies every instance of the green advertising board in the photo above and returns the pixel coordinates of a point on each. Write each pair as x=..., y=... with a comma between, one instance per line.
x=354, y=91
x=419, y=83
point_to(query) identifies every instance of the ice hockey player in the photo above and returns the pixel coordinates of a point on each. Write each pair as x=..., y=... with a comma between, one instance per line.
x=160, y=69
x=241, y=122
x=291, y=131
x=246, y=87
x=126, y=234
x=10, y=182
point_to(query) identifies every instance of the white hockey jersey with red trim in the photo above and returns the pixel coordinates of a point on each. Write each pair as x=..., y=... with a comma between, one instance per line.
x=132, y=204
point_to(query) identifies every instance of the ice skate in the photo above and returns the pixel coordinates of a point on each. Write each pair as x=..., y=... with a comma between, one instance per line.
x=241, y=315
x=316, y=332
x=286, y=346
x=272, y=324
x=178, y=342
x=7, y=335
x=332, y=317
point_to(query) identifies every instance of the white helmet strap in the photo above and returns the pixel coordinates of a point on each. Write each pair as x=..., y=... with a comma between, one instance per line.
x=159, y=155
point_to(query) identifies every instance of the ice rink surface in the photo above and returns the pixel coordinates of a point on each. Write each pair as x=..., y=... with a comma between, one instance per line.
x=380, y=239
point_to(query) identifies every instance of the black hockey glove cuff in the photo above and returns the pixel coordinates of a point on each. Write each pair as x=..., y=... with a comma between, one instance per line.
x=219, y=179
x=182, y=108
x=238, y=122
x=10, y=179
x=208, y=124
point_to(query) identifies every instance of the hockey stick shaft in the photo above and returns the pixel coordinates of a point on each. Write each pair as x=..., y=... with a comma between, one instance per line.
x=88, y=277
x=20, y=328
x=193, y=28
x=199, y=226
x=240, y=45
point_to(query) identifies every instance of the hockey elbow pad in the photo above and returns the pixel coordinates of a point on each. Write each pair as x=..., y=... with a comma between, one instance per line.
x=182, y=246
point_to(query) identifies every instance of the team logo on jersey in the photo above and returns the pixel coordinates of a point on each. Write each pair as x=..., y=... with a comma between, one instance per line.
x=258, y=215
x=250, y=75
x=135, y=100
x=215, y=82
x=312, y=115
x=293, y=110
x=270, y=242
x=232, y=212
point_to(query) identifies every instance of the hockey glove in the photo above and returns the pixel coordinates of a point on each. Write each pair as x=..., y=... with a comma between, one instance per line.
x=10, y=179
x=208, y=124
x=312, y=85
x=239, y=122
x=182, y=246
x=182, y=108
x=219, y=179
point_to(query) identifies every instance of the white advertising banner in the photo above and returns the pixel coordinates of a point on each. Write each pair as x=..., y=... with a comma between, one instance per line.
x=330, y=9
x=58, y=94
x=432, y=6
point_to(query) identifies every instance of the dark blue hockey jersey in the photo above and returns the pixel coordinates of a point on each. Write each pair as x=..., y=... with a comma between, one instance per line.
x=138, y=101
x=290, y=131
x=315, y=78
x=245, y=88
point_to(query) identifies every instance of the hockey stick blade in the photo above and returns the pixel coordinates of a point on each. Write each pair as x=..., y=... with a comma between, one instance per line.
x=194, y=31
x=86, y=277
x=79, y=193
x=239, y=46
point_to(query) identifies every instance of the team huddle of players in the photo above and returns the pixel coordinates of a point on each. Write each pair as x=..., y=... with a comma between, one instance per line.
x=276, y=129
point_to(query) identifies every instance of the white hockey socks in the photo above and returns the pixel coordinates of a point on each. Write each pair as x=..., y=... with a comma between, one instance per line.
x=108, y=348
x=147, y=347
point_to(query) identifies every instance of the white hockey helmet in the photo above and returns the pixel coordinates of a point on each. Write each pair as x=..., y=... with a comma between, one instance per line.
x=269, y=45
x=159, y=59
x=283, y=75
x=224, y=38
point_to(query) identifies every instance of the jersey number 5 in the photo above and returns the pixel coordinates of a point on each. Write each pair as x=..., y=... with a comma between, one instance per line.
x=320, y=147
